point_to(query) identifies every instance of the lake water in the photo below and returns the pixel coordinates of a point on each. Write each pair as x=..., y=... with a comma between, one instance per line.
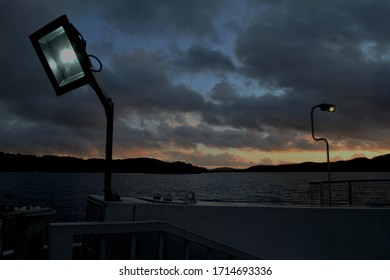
x=67, y=193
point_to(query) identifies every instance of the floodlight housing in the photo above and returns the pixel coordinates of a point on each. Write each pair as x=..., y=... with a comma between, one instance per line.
x=61, y=51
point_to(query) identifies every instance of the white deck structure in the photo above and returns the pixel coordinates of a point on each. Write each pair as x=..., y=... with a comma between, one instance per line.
x=272, y=232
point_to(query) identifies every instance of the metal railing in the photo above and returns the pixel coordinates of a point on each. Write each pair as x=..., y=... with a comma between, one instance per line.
x=365, y=192
x=61, y=238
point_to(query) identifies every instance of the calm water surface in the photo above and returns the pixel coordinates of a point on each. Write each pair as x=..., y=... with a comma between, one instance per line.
x=67, y=193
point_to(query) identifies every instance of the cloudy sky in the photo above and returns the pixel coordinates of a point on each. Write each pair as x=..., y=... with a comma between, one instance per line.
x=214, y=83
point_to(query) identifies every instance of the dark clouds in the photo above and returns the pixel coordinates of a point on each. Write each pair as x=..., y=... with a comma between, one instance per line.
x=193, y=18
x=318, y=50
x=191, y=77
x=201, y=58
x=143, y=80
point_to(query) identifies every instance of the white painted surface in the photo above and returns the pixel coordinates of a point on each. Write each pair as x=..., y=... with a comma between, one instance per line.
x=272, y=232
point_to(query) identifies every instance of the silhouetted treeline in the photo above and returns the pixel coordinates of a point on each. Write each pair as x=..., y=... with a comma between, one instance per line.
x=30, y=163
x=377, y=164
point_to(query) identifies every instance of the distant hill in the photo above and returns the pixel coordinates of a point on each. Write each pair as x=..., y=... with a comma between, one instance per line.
x=377, y=164
x=225, y=169
x=48, y=163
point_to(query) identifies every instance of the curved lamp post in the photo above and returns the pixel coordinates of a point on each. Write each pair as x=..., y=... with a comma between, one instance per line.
x=327, y=108
x=62, y=52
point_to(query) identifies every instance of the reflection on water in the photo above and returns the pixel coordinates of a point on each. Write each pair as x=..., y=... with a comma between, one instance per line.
x=67, y=193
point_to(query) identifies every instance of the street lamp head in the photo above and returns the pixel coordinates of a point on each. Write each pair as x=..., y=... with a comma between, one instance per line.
x=327, y=107
x=61, y=51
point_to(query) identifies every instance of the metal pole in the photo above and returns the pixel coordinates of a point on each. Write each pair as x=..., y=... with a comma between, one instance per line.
x=109, y=110
x=322, y=194
x=328, y=167
x=350, y=193
x=327, y=152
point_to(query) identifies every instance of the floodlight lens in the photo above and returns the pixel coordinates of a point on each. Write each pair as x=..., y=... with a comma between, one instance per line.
x=52, y=64
x=61, y=57
x=68, y=56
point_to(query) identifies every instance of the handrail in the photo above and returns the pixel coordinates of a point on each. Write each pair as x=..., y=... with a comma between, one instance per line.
x=61, y=237
x=352, y=180
x=362, y=192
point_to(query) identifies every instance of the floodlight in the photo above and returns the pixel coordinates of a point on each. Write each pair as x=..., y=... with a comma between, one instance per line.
x=61, y=51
